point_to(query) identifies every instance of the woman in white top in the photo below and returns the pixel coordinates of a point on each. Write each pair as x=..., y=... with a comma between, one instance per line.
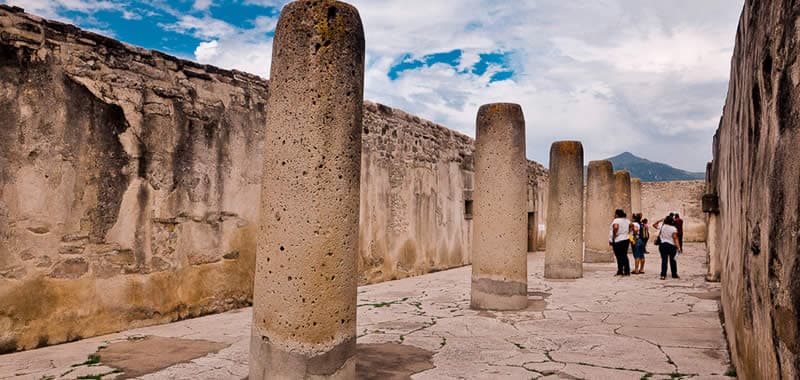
x=618, y=240
x=669, y=247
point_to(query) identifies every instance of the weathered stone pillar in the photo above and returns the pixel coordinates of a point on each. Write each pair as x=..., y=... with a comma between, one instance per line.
x=564, y=252
x=500, y=255
x=712, y=229
x=599, y=211
x=622, y=191
x=304, y=302
x=636, y=196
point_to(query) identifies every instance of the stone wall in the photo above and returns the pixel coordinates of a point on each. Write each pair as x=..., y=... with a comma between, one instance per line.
x=757, y=172
x=130, y=184
x=416, y=176
x=684, y=197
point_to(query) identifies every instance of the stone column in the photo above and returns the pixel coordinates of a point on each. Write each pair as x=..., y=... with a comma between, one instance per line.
x=500, y=231
x=622, y=191
x=636, y=195
x=304, y=301
x=599, y=211
x=564, y=252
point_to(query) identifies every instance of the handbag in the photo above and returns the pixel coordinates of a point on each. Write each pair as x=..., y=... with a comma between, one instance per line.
x=658, y=238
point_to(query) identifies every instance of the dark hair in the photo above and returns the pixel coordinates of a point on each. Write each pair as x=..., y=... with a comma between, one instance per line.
x=619, y=213
x=672, y=215
x=637, y=218
x=670, y=220
x=676, y=215
x=644, y=220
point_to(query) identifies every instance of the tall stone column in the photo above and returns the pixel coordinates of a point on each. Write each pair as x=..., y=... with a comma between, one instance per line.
x=599, y=211
x=622, y=191
x=500, y=220
x=564, y=252
x=636, y=195
x=304, y=302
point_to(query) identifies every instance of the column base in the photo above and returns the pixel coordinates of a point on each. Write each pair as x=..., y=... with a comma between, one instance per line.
x=563, y=271
x=488, y=294
x=270, y=362
x=592, y=256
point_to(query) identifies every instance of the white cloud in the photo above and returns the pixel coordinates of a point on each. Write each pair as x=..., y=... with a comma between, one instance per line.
x=645, y=76
x=202, y=5
x=53, y=8
x=204, y=28
x=206, y=51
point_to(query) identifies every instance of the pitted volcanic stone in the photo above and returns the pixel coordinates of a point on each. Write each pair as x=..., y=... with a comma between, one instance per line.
x=622, y=191
x=499, y=266
x=564, y=252
x=304, y=313
x=599, y=211
x=636, y=196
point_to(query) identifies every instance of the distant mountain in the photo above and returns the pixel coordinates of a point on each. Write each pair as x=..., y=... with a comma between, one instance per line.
x=650, y=171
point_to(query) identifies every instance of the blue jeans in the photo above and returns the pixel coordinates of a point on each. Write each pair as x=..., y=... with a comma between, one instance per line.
x=668, y=252
x=638, y=249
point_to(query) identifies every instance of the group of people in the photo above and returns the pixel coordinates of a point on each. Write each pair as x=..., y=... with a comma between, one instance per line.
x=635, y=234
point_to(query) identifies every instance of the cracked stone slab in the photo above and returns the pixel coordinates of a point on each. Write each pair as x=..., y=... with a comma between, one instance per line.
x=597, y=327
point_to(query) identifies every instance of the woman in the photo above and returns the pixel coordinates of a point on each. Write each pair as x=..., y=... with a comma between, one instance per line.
x=618, y=239
x=638, y=246
x=670, y=246
x=645, y=233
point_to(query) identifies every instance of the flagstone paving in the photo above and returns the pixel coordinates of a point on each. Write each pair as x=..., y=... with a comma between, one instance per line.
x=598, y=327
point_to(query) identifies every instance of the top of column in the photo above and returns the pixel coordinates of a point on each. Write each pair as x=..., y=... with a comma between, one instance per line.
x=602, y=165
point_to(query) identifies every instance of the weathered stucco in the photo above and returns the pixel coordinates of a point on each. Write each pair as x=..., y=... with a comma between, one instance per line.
x=416, y=178
x=758, y=179
x=130, y=186
x=684, y=197
x=127, y=188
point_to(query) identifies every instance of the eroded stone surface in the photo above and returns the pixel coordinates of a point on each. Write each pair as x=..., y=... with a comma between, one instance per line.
x=636, y=196
x=599, y=211
x=622, y=191
x=304, y=311
x=564, y=251
x=500, y=239
x=758, y=179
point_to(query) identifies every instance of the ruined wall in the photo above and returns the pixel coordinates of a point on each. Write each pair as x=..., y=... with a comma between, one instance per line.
x=130, y=184
x=416, y=194
x=414, y=177
x=684, y=197
x=757, y=169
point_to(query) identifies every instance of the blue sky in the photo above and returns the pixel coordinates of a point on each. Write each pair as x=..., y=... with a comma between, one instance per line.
x=646, y=76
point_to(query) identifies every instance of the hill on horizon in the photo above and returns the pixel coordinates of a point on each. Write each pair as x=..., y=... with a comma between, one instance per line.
x=650, y=171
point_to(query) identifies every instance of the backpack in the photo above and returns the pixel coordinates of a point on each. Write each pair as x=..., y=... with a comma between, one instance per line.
x=633, y=236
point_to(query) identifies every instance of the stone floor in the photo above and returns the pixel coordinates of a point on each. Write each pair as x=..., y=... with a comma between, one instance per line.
x=599, y=327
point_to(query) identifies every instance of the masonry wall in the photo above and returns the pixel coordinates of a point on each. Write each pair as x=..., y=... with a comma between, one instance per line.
x=757, y=172
x=684, y=197
x=130, y=184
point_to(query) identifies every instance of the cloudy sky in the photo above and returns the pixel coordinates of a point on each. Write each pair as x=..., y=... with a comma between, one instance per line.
x=645, y=76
